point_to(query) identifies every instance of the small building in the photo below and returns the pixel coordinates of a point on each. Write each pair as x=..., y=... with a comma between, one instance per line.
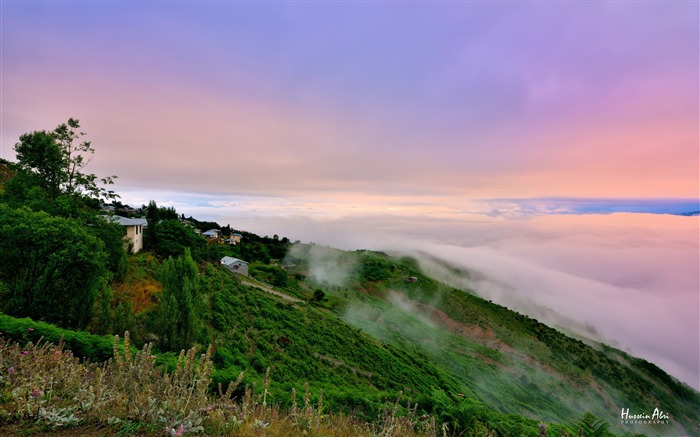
x=233, y=239
x=212, y=234
x=235, y=265
x=134, y=230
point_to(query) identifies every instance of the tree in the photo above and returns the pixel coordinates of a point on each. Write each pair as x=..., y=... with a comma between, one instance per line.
x=167, y=321
x=67, y=139
x=171, y=238
x=40, y=156
x=319, y=295
x=112, y=235
x=56, y=160
x=124, y=319
x=102, y=319
x=178, y=322
x=166, y=236
x=53, y=268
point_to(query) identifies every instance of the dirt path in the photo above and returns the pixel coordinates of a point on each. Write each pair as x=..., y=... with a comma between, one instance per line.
x=268, y=289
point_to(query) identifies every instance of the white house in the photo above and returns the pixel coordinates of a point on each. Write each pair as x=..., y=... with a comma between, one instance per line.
x=212, y=234
x=235, y=265
x=134, y=230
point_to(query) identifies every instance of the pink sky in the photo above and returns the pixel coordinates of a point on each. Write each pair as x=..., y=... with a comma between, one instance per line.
x=478, y=100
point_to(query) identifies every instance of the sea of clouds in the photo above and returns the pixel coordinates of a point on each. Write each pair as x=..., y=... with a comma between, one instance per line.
x=630, y=280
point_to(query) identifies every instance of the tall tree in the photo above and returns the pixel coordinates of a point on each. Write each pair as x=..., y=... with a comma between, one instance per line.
x=39, y=155
x=57, y=159
x=50, y=178
x=177, y=319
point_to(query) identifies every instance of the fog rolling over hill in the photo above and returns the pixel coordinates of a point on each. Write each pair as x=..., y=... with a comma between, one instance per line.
x=630, y=280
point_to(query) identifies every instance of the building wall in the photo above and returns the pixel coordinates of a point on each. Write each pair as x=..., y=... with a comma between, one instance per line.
x=239, y=267
x=135, y=234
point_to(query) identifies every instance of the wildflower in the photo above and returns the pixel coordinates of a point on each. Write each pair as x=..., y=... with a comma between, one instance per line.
x=179, y=431
x=25, y=353
x=30, y=329
x=11, y=370
x=153, y=357
x=36, y=393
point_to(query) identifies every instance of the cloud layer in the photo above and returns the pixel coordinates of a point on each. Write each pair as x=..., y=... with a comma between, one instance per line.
x=630, y=280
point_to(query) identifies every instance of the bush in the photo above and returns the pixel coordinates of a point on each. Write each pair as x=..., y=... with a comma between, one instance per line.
x=90, y=346
x=53, y=267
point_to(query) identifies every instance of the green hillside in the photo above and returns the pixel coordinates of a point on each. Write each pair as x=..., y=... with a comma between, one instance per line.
x=508, y=361
x=380, y=327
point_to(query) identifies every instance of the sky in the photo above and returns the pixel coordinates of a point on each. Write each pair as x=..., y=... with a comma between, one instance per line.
x=516, y=132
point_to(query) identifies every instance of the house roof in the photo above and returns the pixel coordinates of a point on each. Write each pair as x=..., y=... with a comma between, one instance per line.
x=228, y=260
x=125, y=221
x=212, y=232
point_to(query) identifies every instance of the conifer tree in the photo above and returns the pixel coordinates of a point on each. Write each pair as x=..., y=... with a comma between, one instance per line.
x=177, y=316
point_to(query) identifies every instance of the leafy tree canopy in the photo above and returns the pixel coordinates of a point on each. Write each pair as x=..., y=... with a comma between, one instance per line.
x=52, y=267
x=172, y=238
x=53, y=162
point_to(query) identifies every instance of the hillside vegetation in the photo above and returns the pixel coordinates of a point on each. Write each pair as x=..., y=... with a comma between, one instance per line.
x=315, y=340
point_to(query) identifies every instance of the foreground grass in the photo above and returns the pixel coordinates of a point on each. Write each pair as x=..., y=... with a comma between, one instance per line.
x=44, y=388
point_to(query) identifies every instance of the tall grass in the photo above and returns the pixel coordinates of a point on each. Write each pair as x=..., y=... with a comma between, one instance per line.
x=44, y=385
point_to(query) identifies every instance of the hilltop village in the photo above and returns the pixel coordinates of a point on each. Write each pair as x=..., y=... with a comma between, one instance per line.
x=134, y=227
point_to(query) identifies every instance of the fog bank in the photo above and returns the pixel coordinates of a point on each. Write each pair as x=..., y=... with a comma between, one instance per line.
x=632, y=279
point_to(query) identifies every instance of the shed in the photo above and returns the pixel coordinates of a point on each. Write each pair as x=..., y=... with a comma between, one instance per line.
x=235, y=265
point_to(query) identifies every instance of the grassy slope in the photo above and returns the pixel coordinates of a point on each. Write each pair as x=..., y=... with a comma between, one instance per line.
x=541, y=366
x=460, y=357
x=255, y=330
x=507, y=360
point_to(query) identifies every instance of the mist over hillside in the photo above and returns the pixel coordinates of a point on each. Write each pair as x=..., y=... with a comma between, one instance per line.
x=629, y=280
